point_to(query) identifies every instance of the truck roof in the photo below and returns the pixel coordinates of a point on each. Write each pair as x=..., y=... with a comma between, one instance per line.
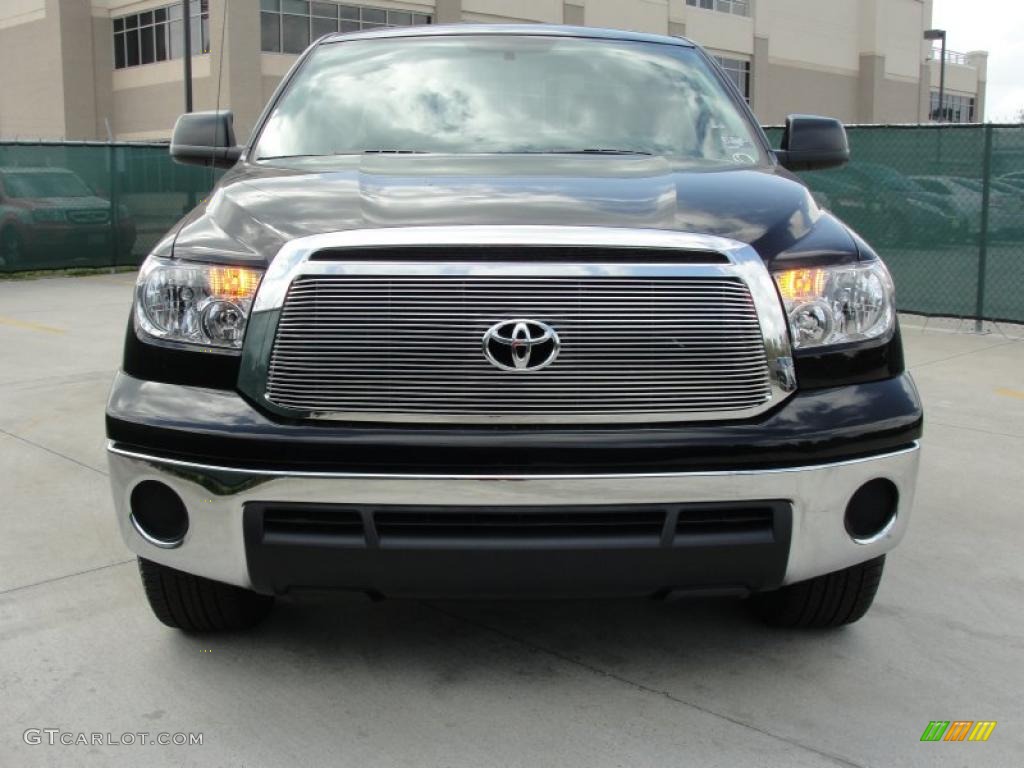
x=526, y=30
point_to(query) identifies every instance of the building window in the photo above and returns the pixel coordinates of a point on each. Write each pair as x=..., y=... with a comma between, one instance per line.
x=289, y=26
x=957, y=108
x=158, y=34
x=737, y=70
x=735, y=7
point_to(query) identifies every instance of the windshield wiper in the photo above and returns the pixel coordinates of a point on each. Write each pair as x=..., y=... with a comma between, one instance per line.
x=603, y=151
x=288, y=157
x=341, y=154
x=587, y=151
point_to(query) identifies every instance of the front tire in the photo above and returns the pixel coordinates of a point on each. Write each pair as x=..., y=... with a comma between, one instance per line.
x=832, y=600
x=194, y=604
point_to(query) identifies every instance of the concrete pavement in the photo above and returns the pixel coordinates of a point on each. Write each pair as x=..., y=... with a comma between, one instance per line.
x=608, y=683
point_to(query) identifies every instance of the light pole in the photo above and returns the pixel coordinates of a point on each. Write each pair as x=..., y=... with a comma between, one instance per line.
x=940, y=34
x=187, y=29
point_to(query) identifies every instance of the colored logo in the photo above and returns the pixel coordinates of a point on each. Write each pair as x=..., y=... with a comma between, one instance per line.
x=958, y=730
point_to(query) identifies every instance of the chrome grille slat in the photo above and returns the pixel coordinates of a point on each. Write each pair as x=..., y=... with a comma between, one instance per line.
x=666, y=317
x=624, y=324
x=692, y=396
x=89, y=217
x=558, y=284
x=423, y=365
x=668, y=384
x=426, y=373
x=411, y=345
x=621, y=328
x=600, y=340
x=436, y=299
x=546, y=409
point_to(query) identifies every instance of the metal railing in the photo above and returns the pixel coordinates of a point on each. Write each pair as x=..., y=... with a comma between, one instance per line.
x=952, y=57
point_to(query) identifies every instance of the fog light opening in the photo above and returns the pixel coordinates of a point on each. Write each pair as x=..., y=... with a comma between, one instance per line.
x=158, y=514
x=871, y=512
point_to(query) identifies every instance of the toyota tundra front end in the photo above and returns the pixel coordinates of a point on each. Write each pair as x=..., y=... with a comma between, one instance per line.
x=510, y=311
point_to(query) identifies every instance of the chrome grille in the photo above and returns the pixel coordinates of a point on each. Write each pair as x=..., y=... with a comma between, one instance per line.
x=395, y=347
x=98, y=216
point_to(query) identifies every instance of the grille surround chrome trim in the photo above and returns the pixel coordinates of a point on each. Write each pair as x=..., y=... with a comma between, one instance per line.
x=294, y=261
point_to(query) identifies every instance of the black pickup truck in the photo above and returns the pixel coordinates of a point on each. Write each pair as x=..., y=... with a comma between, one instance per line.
x=511, y=311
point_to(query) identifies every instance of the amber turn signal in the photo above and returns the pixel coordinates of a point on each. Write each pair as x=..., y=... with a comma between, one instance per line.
x=801, y=284
x=232, y=283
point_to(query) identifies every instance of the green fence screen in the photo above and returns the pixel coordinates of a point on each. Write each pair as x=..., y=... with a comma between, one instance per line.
x=65, y=205
x=944, y=205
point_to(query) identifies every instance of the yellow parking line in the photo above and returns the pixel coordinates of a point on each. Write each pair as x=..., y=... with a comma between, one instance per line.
x=1010, y=393
x=29, y=326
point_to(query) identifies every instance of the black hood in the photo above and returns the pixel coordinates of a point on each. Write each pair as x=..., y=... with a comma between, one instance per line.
x=256, y=208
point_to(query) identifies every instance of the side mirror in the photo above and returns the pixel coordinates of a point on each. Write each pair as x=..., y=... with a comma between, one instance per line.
x=811, y=143
x=205, y=138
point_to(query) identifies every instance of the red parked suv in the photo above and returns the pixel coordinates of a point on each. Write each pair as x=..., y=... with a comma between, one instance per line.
x=51, y=217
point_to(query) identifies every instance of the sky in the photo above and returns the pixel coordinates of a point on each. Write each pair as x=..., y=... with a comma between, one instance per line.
x=996, y=26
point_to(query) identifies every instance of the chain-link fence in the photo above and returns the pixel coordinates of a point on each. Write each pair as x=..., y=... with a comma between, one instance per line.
x=66, y=205
x=944, y=205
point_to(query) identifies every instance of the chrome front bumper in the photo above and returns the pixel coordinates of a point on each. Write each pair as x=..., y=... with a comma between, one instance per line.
x=214, y=546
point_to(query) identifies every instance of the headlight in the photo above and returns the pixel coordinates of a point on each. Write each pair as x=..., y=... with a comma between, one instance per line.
x=199, y=304
x=836, y=305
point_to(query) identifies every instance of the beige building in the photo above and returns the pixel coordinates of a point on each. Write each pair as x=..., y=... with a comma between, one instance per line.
x=99, y=69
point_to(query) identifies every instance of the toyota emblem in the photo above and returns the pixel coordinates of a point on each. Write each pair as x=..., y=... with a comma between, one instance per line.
x=521, y=345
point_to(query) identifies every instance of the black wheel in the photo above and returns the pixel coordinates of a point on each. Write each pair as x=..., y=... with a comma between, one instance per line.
x=831, y=600
x=11, y=250
x=194, y=604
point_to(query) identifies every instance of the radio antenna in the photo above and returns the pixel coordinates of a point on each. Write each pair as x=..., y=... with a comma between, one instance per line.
x=220, y=53
x=220, y=78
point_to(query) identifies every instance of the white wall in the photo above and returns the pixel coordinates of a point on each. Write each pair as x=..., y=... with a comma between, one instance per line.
x=895, y=30
x=14, y=12
x=821, y=34
x=635, y=15
x=31, y=72
x=547, y=11
x=959, y=78
x=120, y=7
x=721, y=31
x=159, y=72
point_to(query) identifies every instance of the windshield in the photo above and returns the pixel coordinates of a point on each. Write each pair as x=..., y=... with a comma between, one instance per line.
x=56, y=184
x=509, y=94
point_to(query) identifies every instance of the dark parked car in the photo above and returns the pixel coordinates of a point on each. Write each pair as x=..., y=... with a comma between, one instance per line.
x=881, y=203
x=511, y=311
x=1005, y=205
x=1014, y=179
x=51, y=216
